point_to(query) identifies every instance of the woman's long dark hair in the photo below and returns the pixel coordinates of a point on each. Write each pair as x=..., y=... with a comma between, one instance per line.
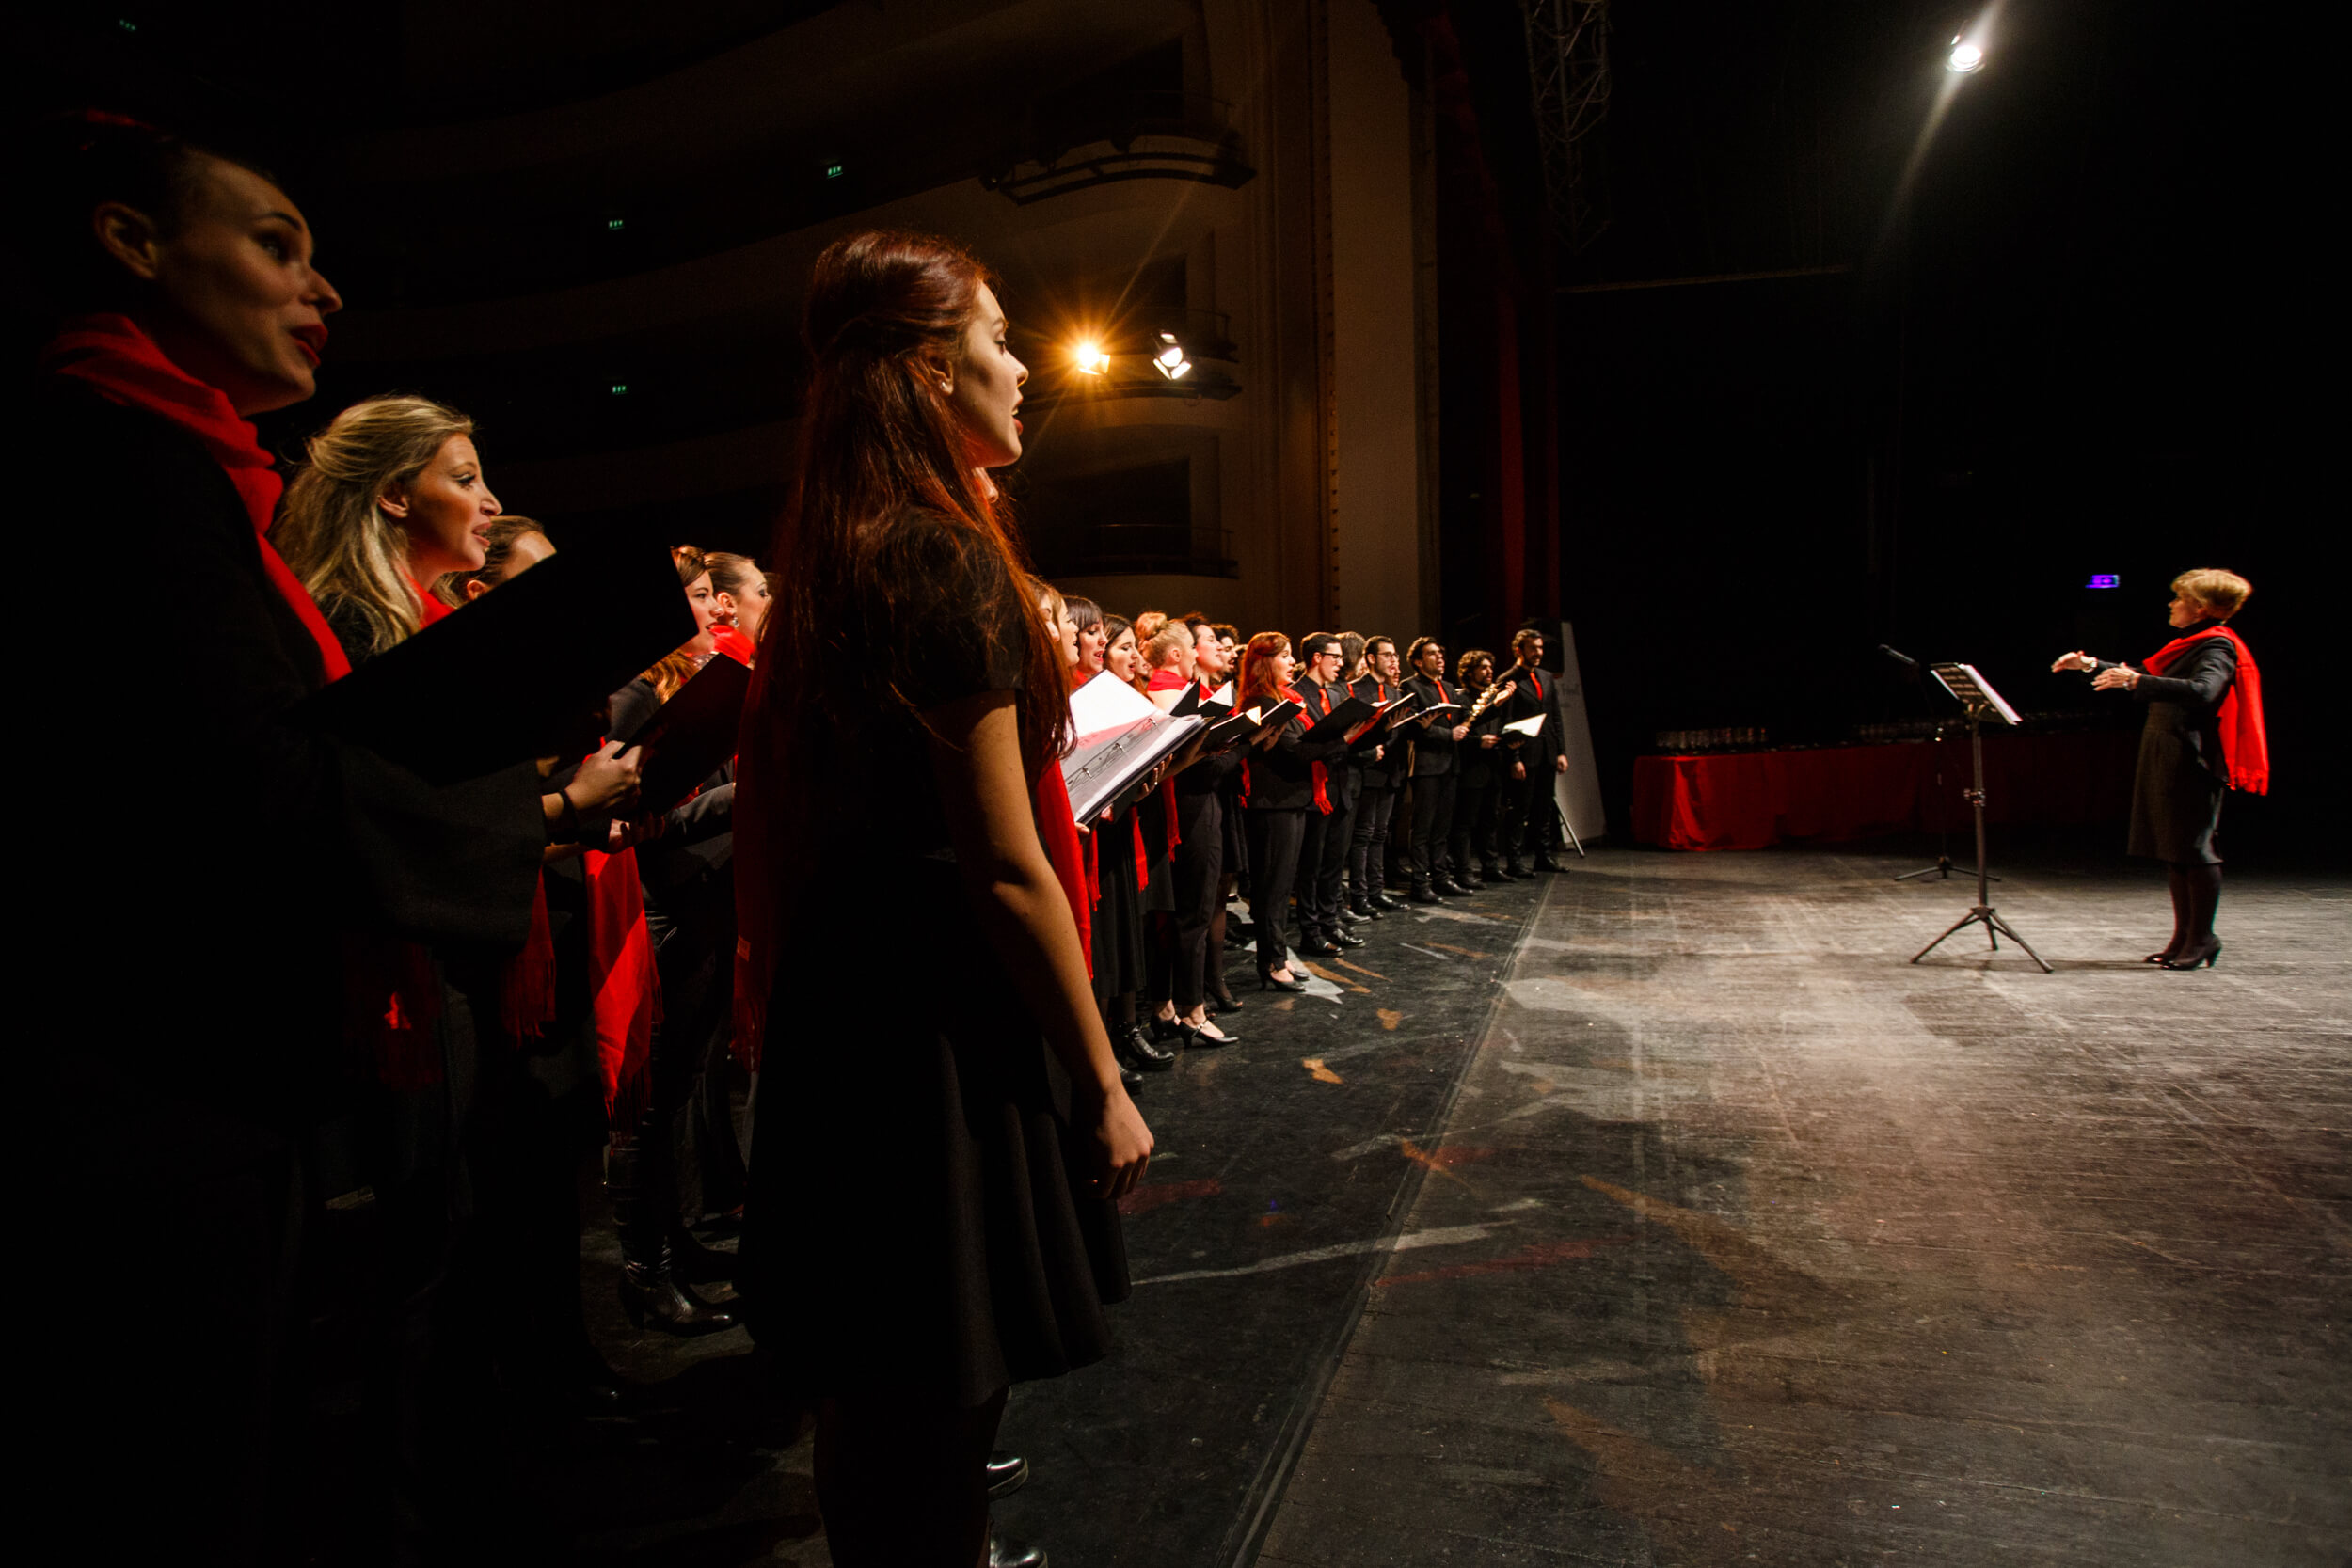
x=885, y=320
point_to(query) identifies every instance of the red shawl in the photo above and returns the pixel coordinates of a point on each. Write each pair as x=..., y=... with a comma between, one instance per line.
x=732, y=642
x=623, y=987
x=117, y=359
x=2245, y=744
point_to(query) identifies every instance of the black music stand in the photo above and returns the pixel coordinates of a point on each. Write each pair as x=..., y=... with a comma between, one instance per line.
x=1981, y=702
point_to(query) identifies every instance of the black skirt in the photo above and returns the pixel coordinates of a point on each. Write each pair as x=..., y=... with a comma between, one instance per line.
x=915, y=1221
x=2176, y=799
x=1118, y=920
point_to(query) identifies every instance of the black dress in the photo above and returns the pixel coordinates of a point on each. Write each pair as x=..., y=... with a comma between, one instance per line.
x=2177, y=789
x=912, y=1223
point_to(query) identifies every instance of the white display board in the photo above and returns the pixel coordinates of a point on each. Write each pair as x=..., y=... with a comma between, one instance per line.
x=1578, y=791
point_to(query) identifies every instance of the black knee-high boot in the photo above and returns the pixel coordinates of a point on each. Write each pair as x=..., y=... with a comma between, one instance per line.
x=644, y=1212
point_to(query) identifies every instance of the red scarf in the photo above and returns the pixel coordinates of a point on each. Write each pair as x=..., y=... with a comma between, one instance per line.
x=732, y=642
x=1317, y=770
x=120, y=362
x=1167, y=680
x=623, y=987
x=2245, y=744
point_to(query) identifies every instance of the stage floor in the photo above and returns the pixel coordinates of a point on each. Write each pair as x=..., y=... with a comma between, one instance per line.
x=1660, y=1213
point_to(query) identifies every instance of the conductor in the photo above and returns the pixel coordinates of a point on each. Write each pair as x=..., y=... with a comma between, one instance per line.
x=2204, y=735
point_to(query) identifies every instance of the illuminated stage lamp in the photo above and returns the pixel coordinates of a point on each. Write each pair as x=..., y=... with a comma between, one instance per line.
x=1965, y=57
x=1089, y=360
x=1171, y=362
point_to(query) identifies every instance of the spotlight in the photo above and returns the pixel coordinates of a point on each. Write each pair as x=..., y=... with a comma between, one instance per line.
x=1171, y=362
x=1965, y=58
x=1091, y=359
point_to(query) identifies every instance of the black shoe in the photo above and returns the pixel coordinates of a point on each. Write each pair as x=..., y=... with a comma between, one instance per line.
x=1221, y=997
x=2203, y=956
x=1381, y=901
x=1424, y=896
x=1546, y=863
x=698, y=1265
x=1005, y=1552
x=1200, y=1039
x=1348, y=939
x=653, y=1295
x=1006, y=1473
x=1267, y=982
x=1129, y=1079
x=1163, y=1029
x=1496, y=874
x=1320, y=947
x=1454, y=889
x=1144, y=1055
x=1519, y=873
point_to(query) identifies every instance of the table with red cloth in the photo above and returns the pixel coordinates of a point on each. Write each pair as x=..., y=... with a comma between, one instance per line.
x=1750, y=799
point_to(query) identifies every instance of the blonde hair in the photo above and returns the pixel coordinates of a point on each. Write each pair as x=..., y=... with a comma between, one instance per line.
x=2223, y=592
x=333, y=531
x=1171, y=637
x=1148, y=627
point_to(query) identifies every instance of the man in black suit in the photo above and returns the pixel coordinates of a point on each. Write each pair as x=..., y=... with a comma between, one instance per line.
x=1434, y=748
x=1381, y=773
x=1322, y=854
x=1531, y=825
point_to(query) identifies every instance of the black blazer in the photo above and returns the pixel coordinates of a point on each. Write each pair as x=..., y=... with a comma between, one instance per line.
x=1538, y=693
x=1384, y=773
x=1433, y=744
x=1280, y=777
x=230, y=848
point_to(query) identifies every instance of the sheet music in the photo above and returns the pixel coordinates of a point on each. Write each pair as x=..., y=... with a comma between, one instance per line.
x=1120, y=736
x=1528, y=727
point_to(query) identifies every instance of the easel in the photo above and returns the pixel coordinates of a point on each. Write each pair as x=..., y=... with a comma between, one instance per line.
x=1982, y=703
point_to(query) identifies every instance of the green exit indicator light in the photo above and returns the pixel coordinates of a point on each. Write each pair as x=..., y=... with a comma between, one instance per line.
x=833, y=171
x=620, y=388
x=616, y=223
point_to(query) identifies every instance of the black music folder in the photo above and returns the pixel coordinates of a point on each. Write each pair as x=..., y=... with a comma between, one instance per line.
x=514, y=675
x=1339, y=725
x=693, y=734
x=1235, y=728
x=1374, y=729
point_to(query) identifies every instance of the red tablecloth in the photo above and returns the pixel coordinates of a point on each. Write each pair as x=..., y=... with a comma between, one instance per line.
x=1747, y=801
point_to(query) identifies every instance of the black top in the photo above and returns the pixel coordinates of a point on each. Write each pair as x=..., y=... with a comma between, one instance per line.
x=1280, y=777
x=2185, y=700
x=686, y=872
x=964, y=1259
x=2178, y=785
x=1433, y=743
x=230, y=848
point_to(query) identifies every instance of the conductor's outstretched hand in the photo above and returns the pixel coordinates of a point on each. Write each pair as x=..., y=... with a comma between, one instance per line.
x=2075, y=660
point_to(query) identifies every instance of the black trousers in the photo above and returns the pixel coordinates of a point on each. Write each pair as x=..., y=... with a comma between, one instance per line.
x=1322, y=871
x=1433, y=824
x=1275, y=835
x=1473, y=840
x=1512, y=799
x=1200, y=869
x=1367, y=848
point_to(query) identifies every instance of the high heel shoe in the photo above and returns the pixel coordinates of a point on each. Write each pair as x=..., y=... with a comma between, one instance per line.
x=1267, y=982
x=1200, y=1039
x=1165, y=1029
x=1221, y=996
x=2204, y=955
x=2165, y=957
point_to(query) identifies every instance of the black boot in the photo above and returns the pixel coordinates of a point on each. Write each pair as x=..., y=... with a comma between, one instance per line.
x=1135, y=1049
x=644, y=1210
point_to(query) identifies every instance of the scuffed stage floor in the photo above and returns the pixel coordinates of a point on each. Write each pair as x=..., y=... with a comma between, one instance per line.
x=1661, y=1214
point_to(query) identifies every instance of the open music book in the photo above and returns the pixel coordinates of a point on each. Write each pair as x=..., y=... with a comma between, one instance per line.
x=1122, y=737
x=1382, y=719
x=1530, y=728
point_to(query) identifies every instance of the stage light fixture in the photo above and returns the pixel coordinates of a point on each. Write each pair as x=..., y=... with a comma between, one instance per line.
x=1965, y=58
x=1091, y=359
x=1171, y=362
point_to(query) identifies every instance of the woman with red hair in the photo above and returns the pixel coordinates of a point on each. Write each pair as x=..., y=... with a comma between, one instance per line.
x=1276, y=788
x=931, y=1213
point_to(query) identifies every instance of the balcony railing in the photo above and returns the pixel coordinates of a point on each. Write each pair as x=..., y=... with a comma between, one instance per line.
x=1137, y=549
x=1102, y=139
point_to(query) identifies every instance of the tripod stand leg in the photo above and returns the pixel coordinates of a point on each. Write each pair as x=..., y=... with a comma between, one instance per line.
x=1574, y=843
x=1996, y=920
x=1955, y=926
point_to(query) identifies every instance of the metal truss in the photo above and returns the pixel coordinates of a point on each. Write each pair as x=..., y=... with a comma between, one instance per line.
x=1568, y=70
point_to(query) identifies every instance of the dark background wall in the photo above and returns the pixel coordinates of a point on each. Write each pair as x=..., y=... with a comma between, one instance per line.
x=2063, y=348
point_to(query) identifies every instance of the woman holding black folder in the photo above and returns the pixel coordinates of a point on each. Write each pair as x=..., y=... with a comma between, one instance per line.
x=932, y=1198
x=1277, y=792
x=184, y=301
